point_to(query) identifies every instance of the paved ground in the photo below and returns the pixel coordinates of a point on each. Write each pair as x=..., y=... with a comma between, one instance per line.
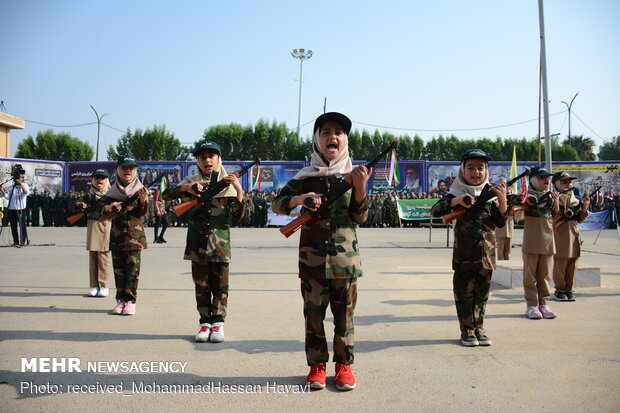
x=408, y=355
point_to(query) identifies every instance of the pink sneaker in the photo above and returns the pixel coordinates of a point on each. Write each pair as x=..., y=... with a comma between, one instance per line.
x=130, y=308
x=546, y=311
x=118, y=308
x=533, y=313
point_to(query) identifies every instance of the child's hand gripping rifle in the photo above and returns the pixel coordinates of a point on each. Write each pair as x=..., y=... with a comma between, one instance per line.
x=110, y=214
x=570, y=212
x=215, y=187
x=481, y=199
x=81, y=212
x=329, y=198
x=531, y=201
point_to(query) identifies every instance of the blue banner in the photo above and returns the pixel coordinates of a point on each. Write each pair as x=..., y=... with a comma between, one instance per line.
x=596, y=220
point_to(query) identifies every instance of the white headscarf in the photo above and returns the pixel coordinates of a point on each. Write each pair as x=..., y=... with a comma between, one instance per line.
x=536, y=188
x=122, y=192
x=460, y=185
x=320, y=166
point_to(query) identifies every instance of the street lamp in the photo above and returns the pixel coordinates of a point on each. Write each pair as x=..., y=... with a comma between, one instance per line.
x=301, y=54
x=98, y=129
x=569, y=106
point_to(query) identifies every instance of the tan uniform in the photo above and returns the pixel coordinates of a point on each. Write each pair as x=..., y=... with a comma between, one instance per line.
x=504, y=239
x=98, y=245
x=538, y=249
x=568, y=251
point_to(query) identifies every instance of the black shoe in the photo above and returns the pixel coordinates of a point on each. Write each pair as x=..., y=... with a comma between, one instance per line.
x=570, y=296
x=560, y=296
x=469, y=339
x=162, y=240
x=156, y=241
x=15, y=244
x=483, y=339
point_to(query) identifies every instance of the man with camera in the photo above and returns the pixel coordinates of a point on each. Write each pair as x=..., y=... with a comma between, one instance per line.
x=16, y=193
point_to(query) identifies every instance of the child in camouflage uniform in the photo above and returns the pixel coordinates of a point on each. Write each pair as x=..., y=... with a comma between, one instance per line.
x=329, y=259
x=473, y=257
x=127, y=236
x=208, y=238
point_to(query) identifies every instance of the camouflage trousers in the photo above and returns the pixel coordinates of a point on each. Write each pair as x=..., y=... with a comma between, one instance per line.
x=126, y=274
x=341, y=296
x=211, y=285
x=471, y=291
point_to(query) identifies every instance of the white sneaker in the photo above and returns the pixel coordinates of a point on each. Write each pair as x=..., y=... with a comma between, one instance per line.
x=92, y=292
x=217, y=333
x=103, y=292
x=203, y=333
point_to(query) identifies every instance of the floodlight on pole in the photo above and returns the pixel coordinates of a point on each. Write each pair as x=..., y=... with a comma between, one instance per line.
x=98, y=129
x=301, y=54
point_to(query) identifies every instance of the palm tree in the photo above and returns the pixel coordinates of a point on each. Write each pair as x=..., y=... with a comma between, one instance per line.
x=583, y=146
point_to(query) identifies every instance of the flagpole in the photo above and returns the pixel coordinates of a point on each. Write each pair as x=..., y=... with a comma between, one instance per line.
x=543, y=57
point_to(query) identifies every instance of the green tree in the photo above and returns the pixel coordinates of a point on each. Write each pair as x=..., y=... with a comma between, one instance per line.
x=54, y=147
x=583, y=146
x=155, y=144
x=610, y=151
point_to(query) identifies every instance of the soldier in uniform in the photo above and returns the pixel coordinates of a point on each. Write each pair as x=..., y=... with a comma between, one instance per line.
x=329, y=259
x=538, y=246
x=248, y=211
x=127, y=237
x=46, y=208
x=208, y=238
x=97, y=235
x=160, y=217
x=568, y=248
x=473, y=255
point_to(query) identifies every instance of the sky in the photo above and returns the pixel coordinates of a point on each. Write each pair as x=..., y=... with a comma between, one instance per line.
x=406, y=67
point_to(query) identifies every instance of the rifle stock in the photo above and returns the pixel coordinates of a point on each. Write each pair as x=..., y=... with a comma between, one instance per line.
x=292, y=227
x=184, y=207
x=75, y=218
x=330, y=198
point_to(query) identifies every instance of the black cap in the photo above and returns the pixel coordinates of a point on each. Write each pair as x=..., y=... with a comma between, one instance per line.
x=539, y=171
x=562, y=175
x=207, y=146
x=475, y=153
x=335, y=116
x=126, y=161
x=101, y=172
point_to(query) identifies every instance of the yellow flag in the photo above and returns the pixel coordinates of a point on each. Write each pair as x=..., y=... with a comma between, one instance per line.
x=513, y=169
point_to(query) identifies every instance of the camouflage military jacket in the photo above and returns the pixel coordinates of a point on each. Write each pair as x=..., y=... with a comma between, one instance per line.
x=474, y=234
x=328, y=247
x=127, y=233
x=208, y=229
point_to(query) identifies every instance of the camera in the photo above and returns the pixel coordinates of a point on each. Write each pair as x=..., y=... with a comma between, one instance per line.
x=17, y=171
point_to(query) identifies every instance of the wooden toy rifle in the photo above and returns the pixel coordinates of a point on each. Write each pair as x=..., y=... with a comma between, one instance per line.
x=570, y=212
x=215, y=187
x=481, y=199
x=128, y=201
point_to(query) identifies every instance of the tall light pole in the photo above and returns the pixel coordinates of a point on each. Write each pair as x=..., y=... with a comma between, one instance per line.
x=98, y=129
x=301, y=54
x=569, y=106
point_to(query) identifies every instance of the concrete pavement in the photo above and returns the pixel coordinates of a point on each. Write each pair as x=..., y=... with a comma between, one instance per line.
x=408, y=357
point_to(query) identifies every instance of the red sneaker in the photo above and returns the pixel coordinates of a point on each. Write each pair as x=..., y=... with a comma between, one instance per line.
x=316, y=377
x=345, y=380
